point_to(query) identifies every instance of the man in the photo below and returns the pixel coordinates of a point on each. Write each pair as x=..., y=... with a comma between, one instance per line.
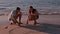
x=14, y=15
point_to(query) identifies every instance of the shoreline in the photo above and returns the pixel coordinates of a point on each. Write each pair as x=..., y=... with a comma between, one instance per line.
x=49, y=19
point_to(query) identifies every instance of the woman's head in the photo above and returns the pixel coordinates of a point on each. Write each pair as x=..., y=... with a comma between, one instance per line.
x=31, y=7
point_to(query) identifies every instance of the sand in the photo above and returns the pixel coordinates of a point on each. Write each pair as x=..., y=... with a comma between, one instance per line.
x=6, y=28
x=41, y=28
x=12, y=29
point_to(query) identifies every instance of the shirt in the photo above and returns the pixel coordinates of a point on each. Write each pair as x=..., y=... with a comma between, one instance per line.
x=13, y=13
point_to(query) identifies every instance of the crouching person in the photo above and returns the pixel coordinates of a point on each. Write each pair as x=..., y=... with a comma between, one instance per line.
x=33, y=15
x=14, y=15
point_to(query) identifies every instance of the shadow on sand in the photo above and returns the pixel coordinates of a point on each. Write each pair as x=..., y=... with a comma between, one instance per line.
x=47, y=28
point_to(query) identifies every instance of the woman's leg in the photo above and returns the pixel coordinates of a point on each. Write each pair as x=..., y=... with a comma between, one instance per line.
x=35, y=22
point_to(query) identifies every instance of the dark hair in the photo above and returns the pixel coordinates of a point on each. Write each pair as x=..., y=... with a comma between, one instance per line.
x=31, y=7
x=34, y=10
x=18, y=8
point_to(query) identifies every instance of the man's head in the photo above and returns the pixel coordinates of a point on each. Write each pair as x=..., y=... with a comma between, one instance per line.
x=17, y=9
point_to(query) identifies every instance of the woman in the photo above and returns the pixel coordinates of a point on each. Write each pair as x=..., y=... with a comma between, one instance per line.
x=32, y=15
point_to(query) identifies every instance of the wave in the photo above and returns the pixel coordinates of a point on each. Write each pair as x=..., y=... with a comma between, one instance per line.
x=2, y=14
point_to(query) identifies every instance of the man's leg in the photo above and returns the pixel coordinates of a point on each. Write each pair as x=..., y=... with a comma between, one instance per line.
x=14, y=20
x=19, y=20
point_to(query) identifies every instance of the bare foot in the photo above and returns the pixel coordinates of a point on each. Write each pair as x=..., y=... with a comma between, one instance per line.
x=19, y=24
x=35, y=23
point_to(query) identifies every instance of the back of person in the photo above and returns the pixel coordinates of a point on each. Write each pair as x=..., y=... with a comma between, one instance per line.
x=35, y=14
x=13, y=13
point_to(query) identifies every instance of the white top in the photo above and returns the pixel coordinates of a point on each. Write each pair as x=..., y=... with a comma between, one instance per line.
x=13, y=13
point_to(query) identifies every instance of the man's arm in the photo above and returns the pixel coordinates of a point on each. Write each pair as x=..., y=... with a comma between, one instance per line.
x=20, y=15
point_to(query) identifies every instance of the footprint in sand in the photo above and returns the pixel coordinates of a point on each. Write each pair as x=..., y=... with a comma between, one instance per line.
x=6, y=27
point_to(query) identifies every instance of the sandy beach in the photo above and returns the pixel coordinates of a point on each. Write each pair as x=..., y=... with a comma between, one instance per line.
x=46, y=25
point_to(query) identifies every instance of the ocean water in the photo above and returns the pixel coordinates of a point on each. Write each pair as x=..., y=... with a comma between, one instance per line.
x=40, y=5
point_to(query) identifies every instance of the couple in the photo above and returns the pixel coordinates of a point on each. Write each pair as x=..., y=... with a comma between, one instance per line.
x=15, y=14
